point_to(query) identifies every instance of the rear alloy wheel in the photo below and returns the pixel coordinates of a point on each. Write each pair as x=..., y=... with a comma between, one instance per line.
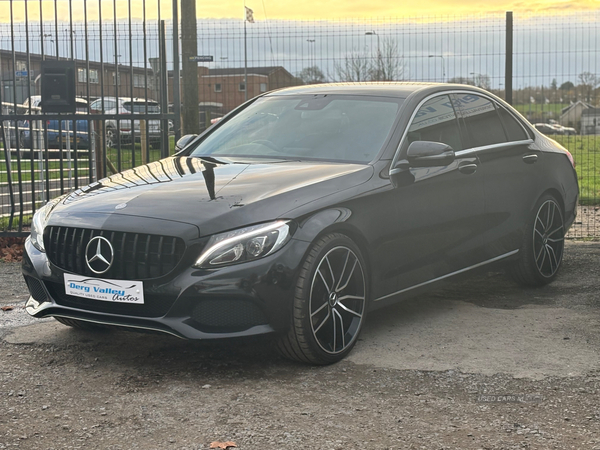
x=542, y=251
x=330, y=303
x=79, y=324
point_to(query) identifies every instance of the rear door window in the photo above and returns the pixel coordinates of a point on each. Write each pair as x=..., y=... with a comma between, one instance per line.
x=514, y=129
x=482, y=120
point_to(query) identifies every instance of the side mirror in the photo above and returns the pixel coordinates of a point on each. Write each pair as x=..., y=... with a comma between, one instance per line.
x=429, y=154
x=424, y=154
x=184, y=140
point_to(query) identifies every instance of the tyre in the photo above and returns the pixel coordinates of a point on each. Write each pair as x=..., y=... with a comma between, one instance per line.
x=111, y=138
x=329, y=303
x=542, y=250
x=79, y=324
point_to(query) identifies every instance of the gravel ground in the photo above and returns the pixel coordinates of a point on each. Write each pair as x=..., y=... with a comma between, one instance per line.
x=481, y=364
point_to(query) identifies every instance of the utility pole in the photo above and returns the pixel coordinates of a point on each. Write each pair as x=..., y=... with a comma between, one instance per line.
x=508, y=65
x=189, y=48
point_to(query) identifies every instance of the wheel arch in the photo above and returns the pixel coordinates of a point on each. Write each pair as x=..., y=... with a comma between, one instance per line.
x=557, y=195
x=335, y=220
x=554, y=193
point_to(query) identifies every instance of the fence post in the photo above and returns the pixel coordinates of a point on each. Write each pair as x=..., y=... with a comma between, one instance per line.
x=164, y=103
x=189, y=48
x=176, y=74
x=508, y=75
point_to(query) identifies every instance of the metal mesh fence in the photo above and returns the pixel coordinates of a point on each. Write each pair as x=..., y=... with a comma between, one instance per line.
x=554, y=82
x=556, y=79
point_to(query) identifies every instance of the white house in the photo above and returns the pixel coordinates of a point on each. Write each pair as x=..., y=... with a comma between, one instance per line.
x=590, y=121
x=571, y=115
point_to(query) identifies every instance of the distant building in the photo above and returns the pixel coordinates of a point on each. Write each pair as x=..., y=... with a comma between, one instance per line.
x=222, y=90
x=571, y=115
x=136, y=81
x=590, y=121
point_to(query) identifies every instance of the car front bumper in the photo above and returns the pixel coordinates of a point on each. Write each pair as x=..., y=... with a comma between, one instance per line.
x=241, y=300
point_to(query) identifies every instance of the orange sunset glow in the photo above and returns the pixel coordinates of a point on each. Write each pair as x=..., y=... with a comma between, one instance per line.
x=294, y=10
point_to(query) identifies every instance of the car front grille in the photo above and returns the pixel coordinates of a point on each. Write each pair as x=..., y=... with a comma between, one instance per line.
x=136, y=256
x=155, y=305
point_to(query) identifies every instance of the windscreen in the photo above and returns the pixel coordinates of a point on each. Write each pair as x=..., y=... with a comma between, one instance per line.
x=327, y=127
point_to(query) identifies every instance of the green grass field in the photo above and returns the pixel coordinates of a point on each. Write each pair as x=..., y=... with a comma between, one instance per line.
x=586, y=153
x=538, y=108
x=128, y=156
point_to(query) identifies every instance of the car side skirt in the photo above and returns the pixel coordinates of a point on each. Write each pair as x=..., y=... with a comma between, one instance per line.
x=443, y=277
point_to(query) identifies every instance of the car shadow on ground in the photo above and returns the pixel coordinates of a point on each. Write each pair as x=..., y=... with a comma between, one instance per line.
x=464, y=323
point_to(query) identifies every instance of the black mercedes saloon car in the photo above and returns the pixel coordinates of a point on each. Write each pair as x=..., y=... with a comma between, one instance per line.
x=301, y=211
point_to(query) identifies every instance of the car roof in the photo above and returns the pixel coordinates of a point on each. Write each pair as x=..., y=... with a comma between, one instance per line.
x=128, y=99
x=384, y=89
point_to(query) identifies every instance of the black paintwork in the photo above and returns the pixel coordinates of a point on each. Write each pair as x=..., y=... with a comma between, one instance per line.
x=415, y=226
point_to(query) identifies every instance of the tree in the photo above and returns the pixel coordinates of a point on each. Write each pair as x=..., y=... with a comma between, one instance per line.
x=588, y=81
x=311, y=75
x=462, y=80
x=482, y=80
x=355, y=67
x=389, y=65
x=554, y=84
x=567, y=86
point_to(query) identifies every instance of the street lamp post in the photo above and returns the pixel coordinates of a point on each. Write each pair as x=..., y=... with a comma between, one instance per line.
x=373, y=33
x=443, y=66
x=48, y=35
x=476, y=78
x=311, y=52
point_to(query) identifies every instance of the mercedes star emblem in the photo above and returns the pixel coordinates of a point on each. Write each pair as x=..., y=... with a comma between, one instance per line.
x=99, y=254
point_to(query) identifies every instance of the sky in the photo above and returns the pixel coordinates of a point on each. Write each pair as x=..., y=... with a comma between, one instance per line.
x=552, y=39
x=300, y=10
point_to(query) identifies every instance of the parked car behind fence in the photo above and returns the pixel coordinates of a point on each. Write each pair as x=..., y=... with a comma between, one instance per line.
x=121, y=129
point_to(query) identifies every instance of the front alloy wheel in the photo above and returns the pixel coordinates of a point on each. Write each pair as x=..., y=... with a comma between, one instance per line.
x=330, y=303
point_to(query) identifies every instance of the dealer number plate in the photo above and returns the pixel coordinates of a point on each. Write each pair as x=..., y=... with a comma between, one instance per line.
x=120, y=291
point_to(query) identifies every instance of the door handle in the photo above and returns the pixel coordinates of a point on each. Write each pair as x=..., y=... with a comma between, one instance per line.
x=531, y=158
x=467, y=168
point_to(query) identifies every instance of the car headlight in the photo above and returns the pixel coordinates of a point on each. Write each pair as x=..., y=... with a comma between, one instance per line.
x=244, y=244
x=39, y=221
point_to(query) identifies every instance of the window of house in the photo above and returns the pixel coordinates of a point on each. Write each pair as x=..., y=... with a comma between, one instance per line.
x=116, y=78
x=217, y=87
x=21, y=66
x=263, y=87
x=81, y=75
x=242, y=87
x=139, y=80
x=94, y=76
